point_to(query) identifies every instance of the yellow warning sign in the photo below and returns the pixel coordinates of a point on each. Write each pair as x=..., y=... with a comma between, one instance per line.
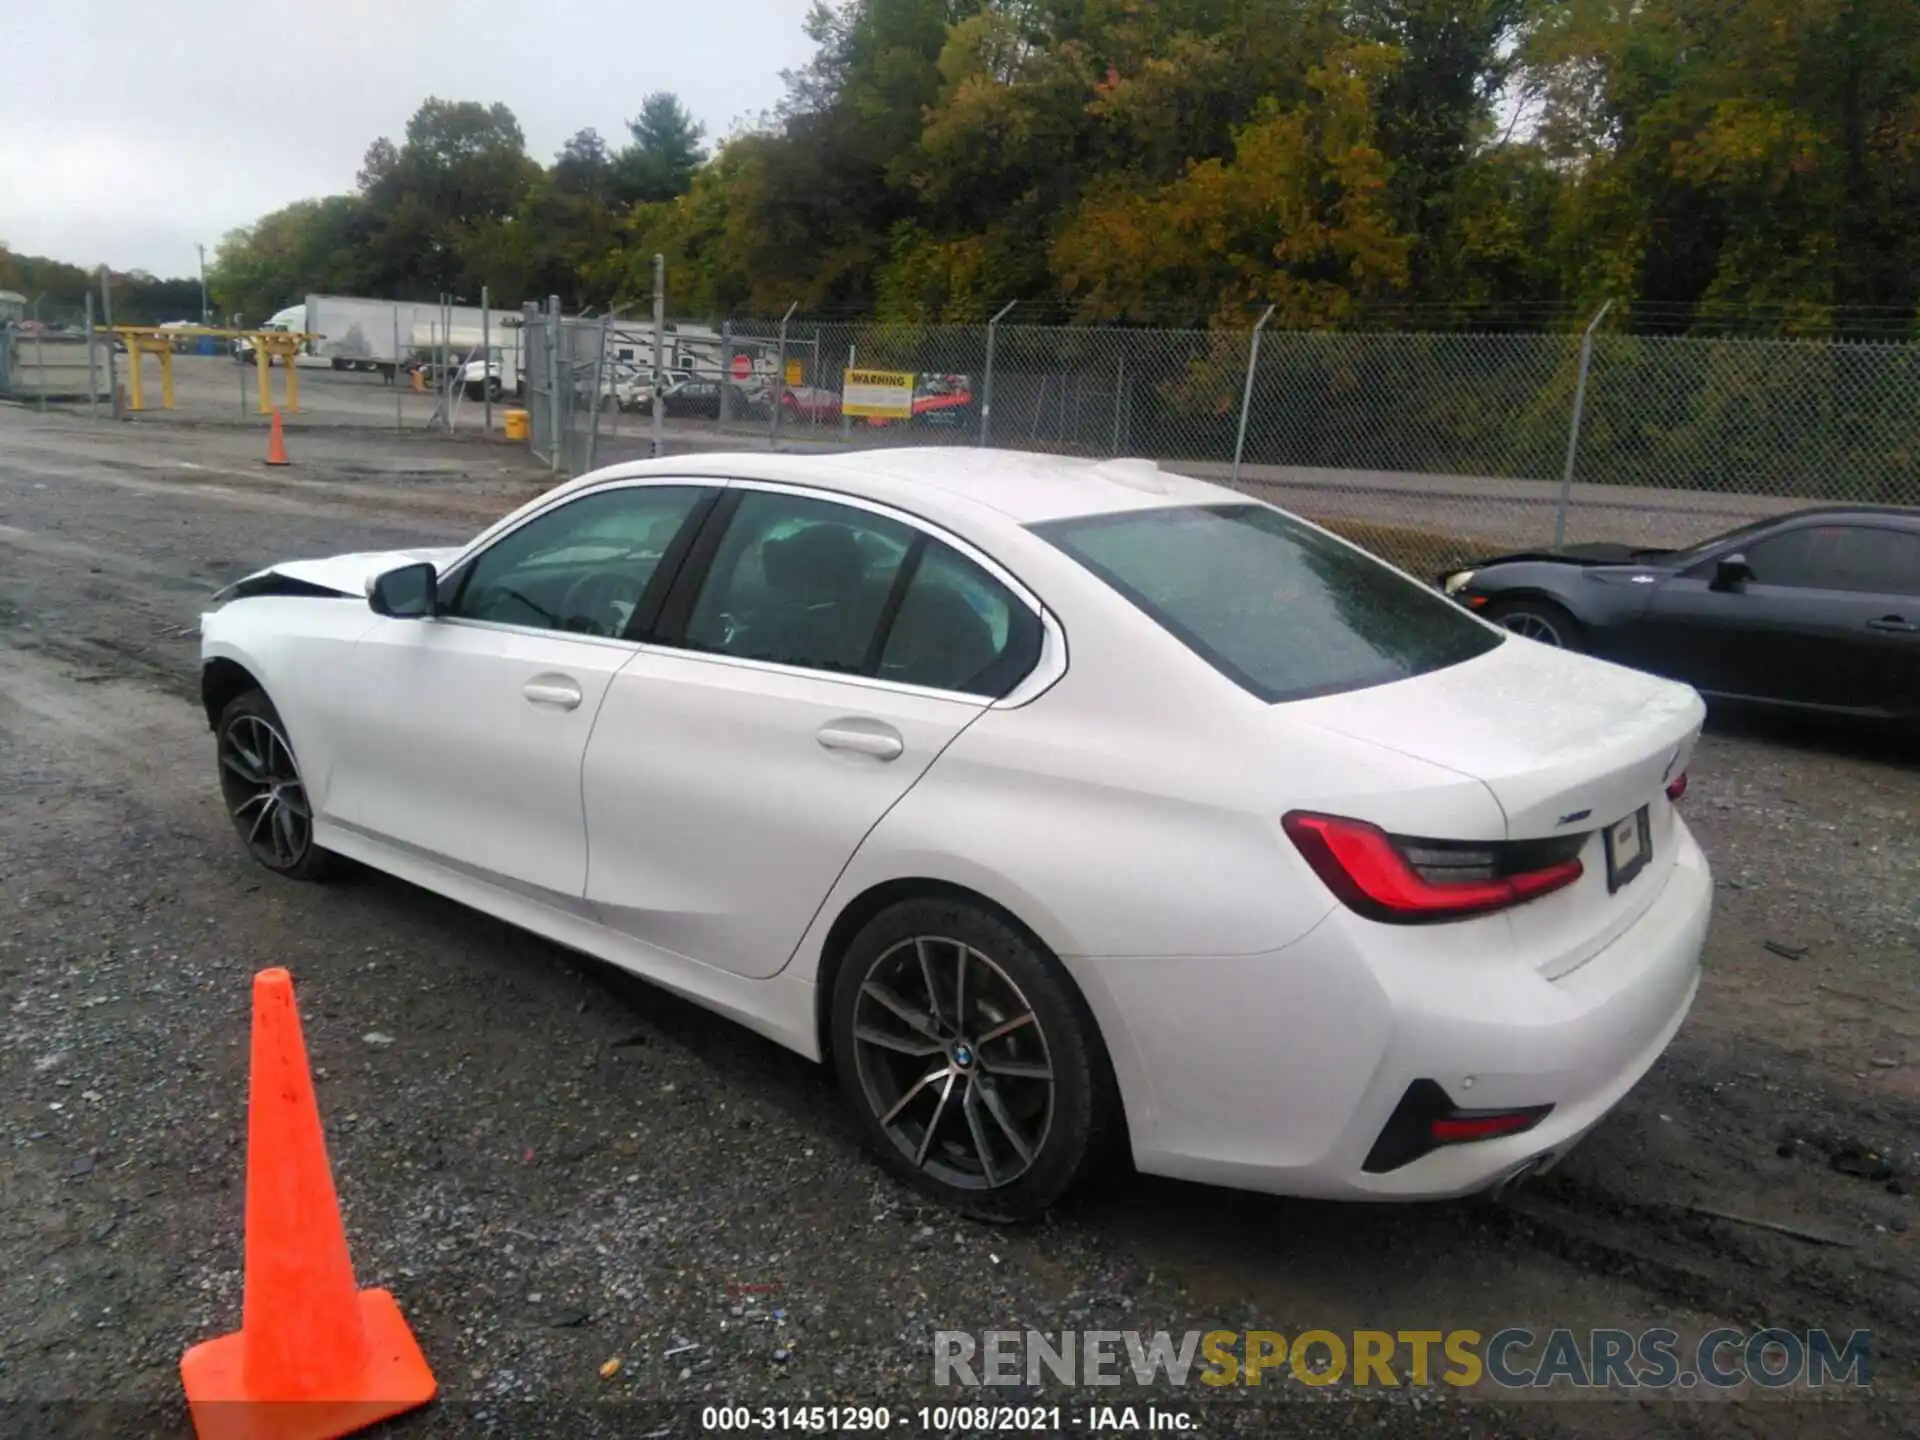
x=883, y=393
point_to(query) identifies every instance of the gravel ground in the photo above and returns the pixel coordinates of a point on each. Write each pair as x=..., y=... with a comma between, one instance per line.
x=554, y=1166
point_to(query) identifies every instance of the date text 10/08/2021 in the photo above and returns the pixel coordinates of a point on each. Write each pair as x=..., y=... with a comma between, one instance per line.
x=943, y=1419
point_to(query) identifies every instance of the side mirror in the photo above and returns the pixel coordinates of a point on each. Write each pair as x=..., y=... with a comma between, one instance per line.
x=1731, y=572
x=409, y=593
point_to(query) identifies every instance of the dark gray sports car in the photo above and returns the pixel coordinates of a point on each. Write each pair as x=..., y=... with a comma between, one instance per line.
x=1815, y=611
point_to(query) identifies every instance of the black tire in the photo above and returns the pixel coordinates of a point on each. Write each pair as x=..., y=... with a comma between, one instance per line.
x=1540, y=620
x=493, y=388
x=1041, y=1137
x=265, y=797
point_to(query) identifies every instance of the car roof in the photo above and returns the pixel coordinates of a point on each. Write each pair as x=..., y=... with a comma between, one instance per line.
x=988, y=486
x=1837, y=512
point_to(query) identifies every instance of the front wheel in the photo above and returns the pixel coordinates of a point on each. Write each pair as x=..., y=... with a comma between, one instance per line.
x=971, y=1060
x=266, y=798
x=1540, y=620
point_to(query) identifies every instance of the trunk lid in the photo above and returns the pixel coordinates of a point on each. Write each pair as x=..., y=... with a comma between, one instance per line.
x=1566, y=743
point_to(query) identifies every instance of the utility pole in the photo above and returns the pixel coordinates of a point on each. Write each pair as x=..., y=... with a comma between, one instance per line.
x=205, y=311
x=659, y=354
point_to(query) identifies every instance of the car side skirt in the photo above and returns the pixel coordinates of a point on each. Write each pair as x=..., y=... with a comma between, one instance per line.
x=781, y=1007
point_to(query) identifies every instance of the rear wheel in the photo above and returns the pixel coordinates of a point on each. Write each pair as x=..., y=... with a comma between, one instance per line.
x=1540, y=620
x=266, y=798
x=972, y=1062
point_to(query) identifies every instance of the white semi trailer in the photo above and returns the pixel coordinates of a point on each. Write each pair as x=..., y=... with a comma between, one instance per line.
x=387, y=337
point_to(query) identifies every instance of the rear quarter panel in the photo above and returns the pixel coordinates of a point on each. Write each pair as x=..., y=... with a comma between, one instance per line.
x=1134, y=808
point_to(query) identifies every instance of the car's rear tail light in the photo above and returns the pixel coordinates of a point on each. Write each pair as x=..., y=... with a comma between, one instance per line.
x=1427, y=1119
x=1412, y=882
x=1677, y=786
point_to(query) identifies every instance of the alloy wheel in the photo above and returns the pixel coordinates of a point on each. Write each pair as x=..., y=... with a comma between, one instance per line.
x=263, y=791
x=1533, y=627
x=953, y=1062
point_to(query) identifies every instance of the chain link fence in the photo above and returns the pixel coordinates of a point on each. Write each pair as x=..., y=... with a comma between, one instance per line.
x=1429, y=448
x=46, y=355
x=563, y=386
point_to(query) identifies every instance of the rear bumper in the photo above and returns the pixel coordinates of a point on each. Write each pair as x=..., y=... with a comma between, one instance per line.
x=1278, y=1072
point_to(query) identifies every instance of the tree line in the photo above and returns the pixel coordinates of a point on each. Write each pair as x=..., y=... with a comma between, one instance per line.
x=62, y=289
x=1408, y=163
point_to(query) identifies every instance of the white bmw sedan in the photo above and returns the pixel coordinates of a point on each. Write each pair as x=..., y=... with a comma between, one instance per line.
x=1059, y=805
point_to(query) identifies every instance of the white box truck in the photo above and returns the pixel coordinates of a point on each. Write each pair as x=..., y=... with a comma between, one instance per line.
x=389, y=337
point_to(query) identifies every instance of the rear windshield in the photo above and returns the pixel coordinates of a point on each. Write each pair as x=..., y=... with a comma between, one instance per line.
x=1276, y=606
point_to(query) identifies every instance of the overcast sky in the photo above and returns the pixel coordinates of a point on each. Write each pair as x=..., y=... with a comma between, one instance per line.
x=130, y=129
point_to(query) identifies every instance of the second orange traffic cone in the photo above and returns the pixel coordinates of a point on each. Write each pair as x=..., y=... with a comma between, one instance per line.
x=314, y=1358
x=277, y=442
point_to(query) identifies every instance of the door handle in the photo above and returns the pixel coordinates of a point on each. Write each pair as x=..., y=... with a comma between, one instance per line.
x=1893, y=623
x=869, y=737
x=556, y=691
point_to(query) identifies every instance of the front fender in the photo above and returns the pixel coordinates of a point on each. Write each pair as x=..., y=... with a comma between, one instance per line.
x=299, y=650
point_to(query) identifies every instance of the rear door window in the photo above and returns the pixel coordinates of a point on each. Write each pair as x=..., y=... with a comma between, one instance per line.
x=957, y=628
x=822, y=586
x=798, y=581
x=1283, y=610
x=1890, y=562
x=1871, y=559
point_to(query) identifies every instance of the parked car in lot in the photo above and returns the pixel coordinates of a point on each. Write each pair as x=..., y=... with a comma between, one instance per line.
x=809, y=403
x=940, y=402
x=700, y=399
x=1817, y=611
x=489, y=377
x=181, y=344
x=615, y=390
x=1050, y=801
x=632, y=390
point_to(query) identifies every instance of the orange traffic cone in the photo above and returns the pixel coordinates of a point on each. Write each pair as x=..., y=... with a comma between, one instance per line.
x=277, y=442
x=313, y=1358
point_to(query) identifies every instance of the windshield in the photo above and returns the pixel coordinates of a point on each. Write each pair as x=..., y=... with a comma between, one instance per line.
x=1281, y=609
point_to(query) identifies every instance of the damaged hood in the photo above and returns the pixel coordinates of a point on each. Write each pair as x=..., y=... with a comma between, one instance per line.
x=336, y=575
x=1583, y=557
